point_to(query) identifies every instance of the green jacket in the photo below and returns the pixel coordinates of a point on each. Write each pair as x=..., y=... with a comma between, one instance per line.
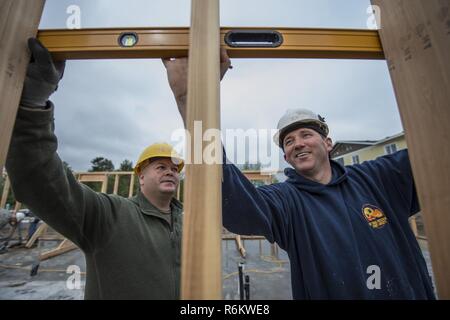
x=131, y=251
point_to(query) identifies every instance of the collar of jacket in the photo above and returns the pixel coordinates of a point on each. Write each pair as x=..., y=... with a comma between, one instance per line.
x=339, y=175
x=149, y=209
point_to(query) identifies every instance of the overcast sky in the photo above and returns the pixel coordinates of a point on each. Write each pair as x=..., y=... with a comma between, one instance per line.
x=116, y=108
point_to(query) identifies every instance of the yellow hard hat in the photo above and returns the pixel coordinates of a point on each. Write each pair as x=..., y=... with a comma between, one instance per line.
x=159, y=150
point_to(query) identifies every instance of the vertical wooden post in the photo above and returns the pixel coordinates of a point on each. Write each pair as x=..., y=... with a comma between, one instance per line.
x=130, y=192
x=413, y=224
x=40, y=231
x=201, y=251
x=116, y=184
x=416, y=40
x=5, y=192
x=179, y=190
x=19, y=20
x=17, y=206
x=105, y=184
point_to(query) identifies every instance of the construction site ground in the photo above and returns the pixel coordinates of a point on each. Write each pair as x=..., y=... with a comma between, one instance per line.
x=268, y=270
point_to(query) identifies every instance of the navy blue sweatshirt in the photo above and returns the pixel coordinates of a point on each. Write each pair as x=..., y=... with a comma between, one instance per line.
x=342, y=237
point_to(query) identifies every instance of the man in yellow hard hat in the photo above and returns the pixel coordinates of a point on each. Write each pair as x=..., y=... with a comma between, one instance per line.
x=158, y=169
x=132, y=246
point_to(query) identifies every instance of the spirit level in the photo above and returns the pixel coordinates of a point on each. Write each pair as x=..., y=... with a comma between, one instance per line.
x=118, y=43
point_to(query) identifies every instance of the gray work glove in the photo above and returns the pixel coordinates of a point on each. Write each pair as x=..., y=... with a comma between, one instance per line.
x=42, y=76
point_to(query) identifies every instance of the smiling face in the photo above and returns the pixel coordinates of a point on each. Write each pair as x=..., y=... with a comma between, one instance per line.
x=307, y=151
x=159, y=177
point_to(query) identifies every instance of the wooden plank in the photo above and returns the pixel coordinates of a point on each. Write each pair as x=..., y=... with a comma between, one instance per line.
x=201, y=267
x=413, y=224
x=40, y=231
x=178, y=191
x=116, y=184
x=95, y=177
x=240, y=246
x=99, y=177
x=232, y=236
x=17, y=206
x=174, y=42
x=19, y=20
x=51, y=238
x=274, y=250
x=416, y=38
x=121, y=173
x=65, y=246
x=5, y=192
x=104, y=185
x=131, y=189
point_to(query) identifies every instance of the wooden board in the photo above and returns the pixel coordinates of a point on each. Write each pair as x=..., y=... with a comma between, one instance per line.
x=416, y=39
x=100, y=177
x=19, y=20
x=65, y=246
x=5, y=192
x=37, y=234
x=201, y=271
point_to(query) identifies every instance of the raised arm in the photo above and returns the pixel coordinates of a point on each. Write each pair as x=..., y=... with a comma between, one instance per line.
x=177, y=70
x=250, y=210
x=246, y=209
x=36, y=172
x=394, y=174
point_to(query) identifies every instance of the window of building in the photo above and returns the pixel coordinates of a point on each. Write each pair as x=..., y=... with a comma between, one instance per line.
x=355, y=159
x=390, y=148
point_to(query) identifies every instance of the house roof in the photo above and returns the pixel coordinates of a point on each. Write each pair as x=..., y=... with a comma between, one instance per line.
x=363, y=143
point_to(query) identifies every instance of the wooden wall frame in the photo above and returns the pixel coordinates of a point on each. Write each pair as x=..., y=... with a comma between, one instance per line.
x=414, y=36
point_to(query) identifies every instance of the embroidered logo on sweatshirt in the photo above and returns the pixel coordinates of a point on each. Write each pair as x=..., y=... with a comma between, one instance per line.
x=374, y=216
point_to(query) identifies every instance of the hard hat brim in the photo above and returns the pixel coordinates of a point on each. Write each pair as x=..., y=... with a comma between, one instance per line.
x=179, y=163
x=297, y=125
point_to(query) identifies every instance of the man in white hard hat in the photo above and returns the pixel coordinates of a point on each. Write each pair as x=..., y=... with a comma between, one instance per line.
x=345, y=229
x=302, y=124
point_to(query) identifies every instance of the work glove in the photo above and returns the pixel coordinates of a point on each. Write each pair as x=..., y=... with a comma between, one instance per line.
x=42, y=76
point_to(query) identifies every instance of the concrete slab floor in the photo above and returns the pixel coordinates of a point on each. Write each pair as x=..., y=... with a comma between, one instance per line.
x=269, y=274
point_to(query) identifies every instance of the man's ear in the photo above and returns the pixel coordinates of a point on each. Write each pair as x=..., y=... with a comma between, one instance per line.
x=329, y=143
x=284, y=156
x=141, y=175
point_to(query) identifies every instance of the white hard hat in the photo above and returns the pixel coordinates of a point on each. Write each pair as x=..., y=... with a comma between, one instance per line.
x=294, y=118
x=20, y=216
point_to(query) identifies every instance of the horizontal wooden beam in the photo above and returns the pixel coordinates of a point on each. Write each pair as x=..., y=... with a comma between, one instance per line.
x=174, y=42
x=232, y=236
x=99, y=177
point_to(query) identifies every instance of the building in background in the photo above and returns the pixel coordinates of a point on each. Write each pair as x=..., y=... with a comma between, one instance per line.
x=356, y=151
